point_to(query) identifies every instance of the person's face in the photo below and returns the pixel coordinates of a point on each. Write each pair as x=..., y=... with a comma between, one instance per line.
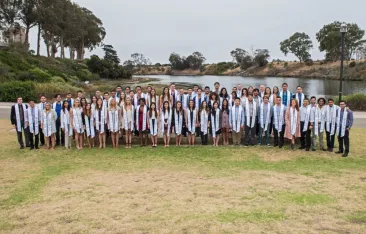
x=87, y=107
x=265, y=101
x=342, y=105
x=113, y=94
x=217, y=86
x=306, y=102
x=77, y=103
x=43, y=99
x=58, y=98
x=47, y=106
x=97, y=93
x=216, y=105
x=68, y=96
x=195, y=88
x=284, y=87
x=179, y=105
x=80, y=94
x=261, y=88
x=224, y=91
x=119, y=89
x=278, y=101
x=181, y=91
x=138, y=90
x=240, y=86
x=106, y=96
x=20, y=100
x=321, y=102
x=149, y=89
x=66, y=104
x=166, y=105
x=237, y=102
x=331, y=103
x=173, y=87
x=128, y=101
x=190, y=91
x=313, y=101
x=142, y=103
x=207, y=90
x=204, y=104
x=275, y=90
x=199, y=91
x=128, y=90
x=100, y=101
x=191, y=103
x=268, y=90
x=235, y=89
x=299, y=90
x=94, y=99
x=153, y=92
x=31, y=104
x=255, y=93
x=152, y=106
x=123, y=95
x=250, y=98
x=132, y=94
x=293, y=103
x=83, y=101
x=250, y=90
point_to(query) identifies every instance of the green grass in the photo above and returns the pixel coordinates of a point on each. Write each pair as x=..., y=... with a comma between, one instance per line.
x=357, y=217
x=253, y=216
x=305, y=199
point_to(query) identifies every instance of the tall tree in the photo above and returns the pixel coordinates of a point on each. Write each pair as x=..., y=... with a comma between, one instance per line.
x=28, y=16
x=195, y=60
x=261, y=57
x=140, y=59
x=111, y=55
x=298, y=44
x=9, y=12
x=329, y=38
x=238, y=55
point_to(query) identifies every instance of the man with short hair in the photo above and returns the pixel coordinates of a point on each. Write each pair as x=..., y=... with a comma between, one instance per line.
x=314, y=122
x=239, y=90
x=285, y=95
x=127, y=90
x=262, y=90
x=237, y=121
x=279, y=124
x=138, y=95
x=265, y=115
x=299, y=96
x=57, y=106
x=217, y=88
x=182, y=98
x=98, y=94
x=41, y=107
x=18, y=118
x=344, y=125
x=207, y=93
x=330, y=123
x=195, y=89
x=305, y=112
x=80, y=95
x=118, y=91
x=113, y=96
x=34, y=116
x=174, y=93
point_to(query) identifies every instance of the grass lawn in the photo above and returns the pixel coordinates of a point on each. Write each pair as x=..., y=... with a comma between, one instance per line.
x=181, y=190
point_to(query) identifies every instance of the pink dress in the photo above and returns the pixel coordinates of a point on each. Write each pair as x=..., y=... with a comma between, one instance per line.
x=225, y=120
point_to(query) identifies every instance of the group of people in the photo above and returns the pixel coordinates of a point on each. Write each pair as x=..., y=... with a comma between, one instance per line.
x=250, y=115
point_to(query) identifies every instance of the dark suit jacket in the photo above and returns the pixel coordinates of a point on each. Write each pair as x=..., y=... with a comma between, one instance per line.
x=13, y=117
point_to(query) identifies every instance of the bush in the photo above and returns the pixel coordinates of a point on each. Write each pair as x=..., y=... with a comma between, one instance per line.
x=10, y=91
x=270, y=65
x=57, y=79
x=352, y=64
x=40, y=75
x=285, y=65
x=309, y=62
x=356, y=102
x=50, y=89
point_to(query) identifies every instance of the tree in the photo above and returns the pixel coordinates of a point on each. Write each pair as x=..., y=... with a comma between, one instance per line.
x=195, y=60
x=176, y=61
x=298, y=44
x=329, y=38
x=261, y=57
x=140, y=59
x=361, y=52
x=28, y=16
x=238, y=55
x=9, y=12
x=111, y=55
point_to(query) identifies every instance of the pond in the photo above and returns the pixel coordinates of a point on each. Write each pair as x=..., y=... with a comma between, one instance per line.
x=311, y=87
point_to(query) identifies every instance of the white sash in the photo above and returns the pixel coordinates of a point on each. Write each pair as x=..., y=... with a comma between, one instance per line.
x=77, y=120
x=331, y=120
x=178, y=119
x=48, y=123
x=251, y=124
x=33, y=129
x=215, y=123
x=278, y=123
x=301, y=98
x=143, y=120
x=100, y=123
x=17, y=115
x=65, y=122
x=293, y=116
x=154, y=127
x=113, y=120
x=129, y=121
x=307, y=118
x=89, y=125
x=268, y=119
x=191, y=123
x=236, y=123
x=162, y=119
x=204, y=122
x=322, y=113
x=288, y=94
x=315, y=115
x=341, y=132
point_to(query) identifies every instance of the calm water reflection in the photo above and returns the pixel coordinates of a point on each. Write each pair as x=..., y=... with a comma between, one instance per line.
x=316, y=87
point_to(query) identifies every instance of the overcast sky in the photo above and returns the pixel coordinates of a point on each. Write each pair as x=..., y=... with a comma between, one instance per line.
x=157, y=28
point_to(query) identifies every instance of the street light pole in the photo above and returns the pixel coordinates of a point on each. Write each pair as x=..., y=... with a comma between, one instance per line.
x=343, y=32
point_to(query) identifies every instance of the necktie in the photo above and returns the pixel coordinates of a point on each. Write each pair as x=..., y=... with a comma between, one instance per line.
x=21, y=112
x=299, y=99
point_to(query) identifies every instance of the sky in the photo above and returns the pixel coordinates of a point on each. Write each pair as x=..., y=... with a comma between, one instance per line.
x=156, y=28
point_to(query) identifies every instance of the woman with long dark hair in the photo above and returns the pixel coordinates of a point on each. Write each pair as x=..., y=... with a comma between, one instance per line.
x=225, y=124
x=153, y=124
x=179, y=123
x=89, y=125
x=191, y=122
x=204, y=122
x=216, y=115
x=66, y=124
x=166, y=119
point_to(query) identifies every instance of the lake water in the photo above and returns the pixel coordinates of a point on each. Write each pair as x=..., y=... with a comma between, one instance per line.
x=311, y=87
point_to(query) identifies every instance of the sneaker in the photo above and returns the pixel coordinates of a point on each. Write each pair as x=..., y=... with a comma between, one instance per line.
x=269, y=145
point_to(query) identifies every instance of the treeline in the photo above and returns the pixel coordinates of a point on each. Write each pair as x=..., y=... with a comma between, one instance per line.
x=60, y=23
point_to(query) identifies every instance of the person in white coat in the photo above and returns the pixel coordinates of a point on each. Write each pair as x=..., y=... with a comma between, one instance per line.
x=153, y=124
x=66, y=127
x=48, y=125
x=165, y=122
x=76, y=116
x=128, y=115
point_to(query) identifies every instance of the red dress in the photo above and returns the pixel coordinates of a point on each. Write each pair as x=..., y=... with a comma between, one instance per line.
x=141, y=119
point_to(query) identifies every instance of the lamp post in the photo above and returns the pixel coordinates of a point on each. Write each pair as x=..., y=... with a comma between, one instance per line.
x=343, y=31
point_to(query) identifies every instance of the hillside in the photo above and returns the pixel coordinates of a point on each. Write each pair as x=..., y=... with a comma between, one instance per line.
x=318, y=70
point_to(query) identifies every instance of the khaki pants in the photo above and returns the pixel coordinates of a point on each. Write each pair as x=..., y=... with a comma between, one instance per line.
x=68, y=141
x=236, y=137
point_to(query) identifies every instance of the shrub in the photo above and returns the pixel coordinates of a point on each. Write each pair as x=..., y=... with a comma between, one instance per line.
x=352, y=64
x=270, y=65
x=4, y=70
x=50, y=89
x=40, y=75
x=57, y=79
x=285, y=65
x=10, y=91
x=356, y=102
x=309, y=62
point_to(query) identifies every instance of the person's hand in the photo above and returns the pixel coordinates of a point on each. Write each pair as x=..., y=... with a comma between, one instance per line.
x=27, y=124
x=14, y=126
x=242, y=126
x=348, y=129
x=311, y=127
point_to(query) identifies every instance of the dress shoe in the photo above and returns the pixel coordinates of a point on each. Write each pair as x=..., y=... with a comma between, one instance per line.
x=281, y=146
x=31, y=148
x=324, y=149
x=21, y=147
x=275, y=145
x=307, y=149
x=302, y=147
x=345, y=155
x=313, y=149
x=339, y=152
x=330, y=150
